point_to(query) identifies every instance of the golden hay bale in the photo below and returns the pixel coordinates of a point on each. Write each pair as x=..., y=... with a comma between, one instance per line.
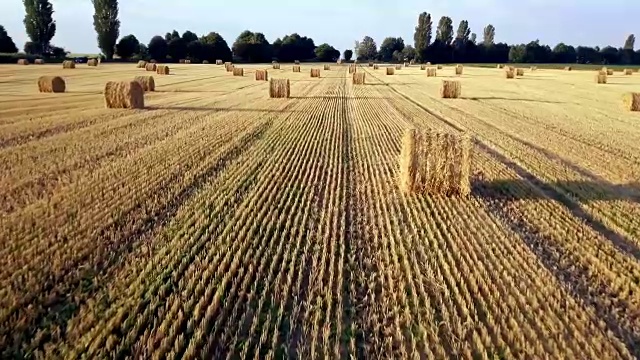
x=151, y=67
x=262, y=75
x=431, y=72
x=51, y=84
x=219, y=62
x=162, y=70
x=228, y=67
x=510, y=74
x=182, y=61
x=428, y=63
x=519, y=72
x=601, y=78
x=435, y=163
x=628, y=72
x=23, y=62
x=326, y=67
x=533, y=68
x=297, y=62
x=391, y=71
x=315, y=73
x=124, y=95
x=142, y=64
x=370, y=64
x=423, y=67
x=376, y=67
x=358, y=78
x=238, y=71
x=276, y=66
x=439, y=67
x=568, y=68
x=631, y=101
x=296, y=68
x=398, y=67
x=68, y=64
x=279, y=88
x=205, y=61
x=609, y=72
x=38, y=61
x=147, y=82
x=353, y=69
x=459, y=69
x=406, y=64
x=499, y=66
x=92, y=62
x=450, y=89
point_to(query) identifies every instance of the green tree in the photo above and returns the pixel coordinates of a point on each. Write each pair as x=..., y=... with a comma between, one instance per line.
x=177, y=49
x=409, y=53
x=366, y=49
x=347, y=55
x=473, y=38
x=462, y=35
x=444, y=33
x=107, y=25
x=127, y=46
x=489, y=35
x=6, y=42
x=327, y=53
x=158, y=48
x=389, y=46
x=629, y=44
x=252, y=47
x=39, y=24
x=422, y=35
x=189, y=36
x=517, y=53
x=563, y=53
x=214, y=47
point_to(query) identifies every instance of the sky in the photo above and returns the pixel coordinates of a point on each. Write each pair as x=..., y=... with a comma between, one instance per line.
x=341, y=22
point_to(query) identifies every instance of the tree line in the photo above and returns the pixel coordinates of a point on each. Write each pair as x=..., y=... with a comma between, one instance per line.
x=447, y=46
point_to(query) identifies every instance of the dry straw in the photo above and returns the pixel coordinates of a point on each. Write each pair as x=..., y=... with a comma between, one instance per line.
x=509, y=73
x=601, y=77
x=352, y=69
x=147, y=82
x=435, y=163
x=182, y=61
x=297, y=62
x=450, y=89
x=51, y=84
x=279, y=88
x=519, y=72
x=428, y=63
x=151, y=67
x=423, y=67
x=68, y=64
x=92, y=62
x=262, y=75
x=398, y=67
x=39, y=61
x=459, y=69
x=326, y=67
x=228, y=66
x=568, y=68
x=631, y=101
x=219, y=62
x=406, y=64
x=124, y=95
x=499, y=66
x=238, y=71
x=376, y=67
x=358, y=78
x=390, y=71
x=315, y=73
x=276, y=66
x=296, y=68
x=628, y=71
x=431, y=72
x=162, y=70
x=439, y=67
x=533, y=68
x=23, y=62
x=142, y=64
x=370, y=64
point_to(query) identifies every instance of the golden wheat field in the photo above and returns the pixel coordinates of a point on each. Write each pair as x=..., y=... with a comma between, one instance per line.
x=218, y=223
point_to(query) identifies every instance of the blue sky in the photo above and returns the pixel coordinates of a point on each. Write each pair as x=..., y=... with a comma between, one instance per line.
x=341, y=22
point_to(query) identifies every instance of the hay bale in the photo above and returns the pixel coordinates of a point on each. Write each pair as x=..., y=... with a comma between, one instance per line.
x=510, y=74
x=162, y=70
x=406, y=64
x=391, y=71
x=147, y=82
x=124, y=95
x=435, y=163
x=228, y=67
x=296, y=68
x=533, y=68
x=519, y=72
x=398, y=67
x=358, y=78
x=315, y=73
x=450, y=89
x=297, y=62
x=376, y=67
x=439, y=67
x=151, y=67
x=499, y=66
x=459, y=69
x=631, y=101
x=423, y=67
x=23, y=62
x=238, y=71
x=428, y=63
x=568, y=68
x=279, y=88
x=370, y=64
x=326, y=67
x=142, y=64
x=353, y=69
x=39, y=61
x=627, y=72
x=92, y=62
x=431, y=72
x=153, y=61
x=601, y=77
x=51, y=84
x=262, y=75
x=219, y=62
x=182, y=61
x=205, y=62
x=68, y=64
x=276, y=66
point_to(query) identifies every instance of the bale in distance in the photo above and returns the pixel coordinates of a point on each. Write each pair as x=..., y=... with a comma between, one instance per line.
x=315, y=73
x=326, y=67
x=376, y=67
x=296, y=68
x=398, y=67
x=431, y=72
x=499, y=66
x=39, y=61
x=279, y=88
x=229, y=67
x=297, y=62
x=533, y=68
x=370, y=64
x=435, y=163
x=124, y=95
x=219, y=62
x=92, y=62
x=147, y=82
x=568, y=68
x=206, y=62
x=358, y=78
x=23, y=62
x=162, y=70
x=261, y=75
x=428, y=63
x=519, y=72
x=142, y=64
x=459, y=69
x=631, y=101
x=391, y=71
x=68, y=64
x=51, y=84
x=406, y=64
x=423, y=67
x=182, y=61
x=628, y=71
x=238, y=71
x=450, y=89
x=276, y=66
x=439, y=67
x=509, y=73
x=601, y=77
x=352, y=69
x=151, y=67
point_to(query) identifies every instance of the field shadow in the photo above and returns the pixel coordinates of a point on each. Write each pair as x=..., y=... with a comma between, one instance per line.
x=192, y=91
x=206, y=108
x=478, y=98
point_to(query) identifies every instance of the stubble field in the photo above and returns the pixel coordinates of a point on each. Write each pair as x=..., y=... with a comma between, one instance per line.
x=219, y=223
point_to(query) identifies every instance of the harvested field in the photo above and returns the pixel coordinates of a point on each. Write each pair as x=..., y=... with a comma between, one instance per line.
x=219, y=223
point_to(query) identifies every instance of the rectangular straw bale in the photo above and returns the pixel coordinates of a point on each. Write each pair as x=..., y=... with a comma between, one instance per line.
x=326, y=67
x=238, y=71
x=459, y=69
x=499, y=66
x=370, y=64
x=296, y=68
x=568, y=68
x=352, y=69
x=398, y=67
x=23, y=62
x=359, y=78
x=262, y=75
x=147, y=82
x=124, y=95
x=275, y=66
x=376, y=67
x=68, y=64
x=519, y=72
x=450, y=89
x=279, y=88
x=631, y=101
x=435, y=163
x=162, y=70
x=390, y=71
x=431, y=72
x=439, y=67
x=141, y=64
x=533, y=68
x=51, y=84
x=315, y=73
x=423, y=67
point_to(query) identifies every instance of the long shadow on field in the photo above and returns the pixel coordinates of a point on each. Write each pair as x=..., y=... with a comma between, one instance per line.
x=478, y=98
x=205, y=108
